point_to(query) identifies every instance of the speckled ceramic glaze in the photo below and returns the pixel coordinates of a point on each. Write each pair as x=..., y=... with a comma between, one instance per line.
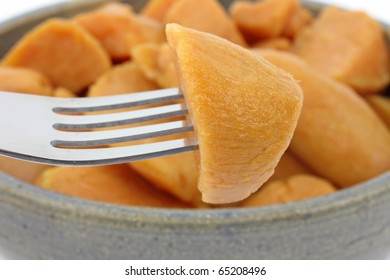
x=37, y=224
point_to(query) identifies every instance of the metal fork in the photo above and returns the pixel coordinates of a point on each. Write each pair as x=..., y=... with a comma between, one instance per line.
x=53, y=131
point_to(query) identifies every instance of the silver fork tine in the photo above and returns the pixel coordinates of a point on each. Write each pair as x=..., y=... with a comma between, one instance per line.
x=127, y=153
x=97, y=138
x=69, y=105
x=112, y=155
x=71, y=122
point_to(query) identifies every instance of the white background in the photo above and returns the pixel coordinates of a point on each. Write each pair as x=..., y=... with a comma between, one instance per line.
x=375, y=8
x=217, y=270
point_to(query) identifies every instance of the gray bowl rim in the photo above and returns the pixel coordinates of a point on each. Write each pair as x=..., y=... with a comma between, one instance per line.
x=30, y=195
x=77, y=207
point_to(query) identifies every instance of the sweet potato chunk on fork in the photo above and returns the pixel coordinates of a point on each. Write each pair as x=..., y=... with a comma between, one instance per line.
x=225, y=85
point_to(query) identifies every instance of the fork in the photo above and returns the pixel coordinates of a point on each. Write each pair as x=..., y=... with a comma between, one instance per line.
x=55, y=131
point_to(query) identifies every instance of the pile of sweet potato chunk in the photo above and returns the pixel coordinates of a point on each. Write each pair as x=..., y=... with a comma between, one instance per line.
x=340, y=59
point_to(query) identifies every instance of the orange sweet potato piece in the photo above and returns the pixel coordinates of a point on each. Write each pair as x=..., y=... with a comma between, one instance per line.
x=62, y=51
x=288, y=166
x=156, y=9
x=122, y=78
x=63, y=93
x=117, y=8
x=297, y=21
x=381, y=105
x=278, y=43
x=244, y=112
x=146, y=56
x=157, y=63
x=112, y=184
x=177, y=175
x=347, y=46
x=295, y=188
x=262, y=19
x=24, y=80
x=22, y=170
x=206, y=15
x=119, y=31
x=338, y=135
x=145, y=30
x=166, y=62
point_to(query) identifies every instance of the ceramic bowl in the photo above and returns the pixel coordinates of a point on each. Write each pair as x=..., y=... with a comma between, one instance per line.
x=38, y=224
